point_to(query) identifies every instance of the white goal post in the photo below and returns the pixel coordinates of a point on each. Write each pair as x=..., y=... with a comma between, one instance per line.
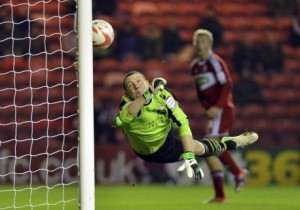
x=46, y=105
x=86, y=106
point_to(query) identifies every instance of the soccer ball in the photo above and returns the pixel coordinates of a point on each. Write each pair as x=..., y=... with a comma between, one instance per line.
x=103, y=34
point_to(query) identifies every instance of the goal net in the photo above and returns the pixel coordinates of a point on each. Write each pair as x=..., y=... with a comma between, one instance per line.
x=38, y=105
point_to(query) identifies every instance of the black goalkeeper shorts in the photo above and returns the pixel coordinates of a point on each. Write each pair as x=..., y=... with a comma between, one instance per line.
x=169, y=152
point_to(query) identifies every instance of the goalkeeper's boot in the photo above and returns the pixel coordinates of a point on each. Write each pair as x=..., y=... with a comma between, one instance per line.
x=242, y=140
x=216, y=200
x=240, y=180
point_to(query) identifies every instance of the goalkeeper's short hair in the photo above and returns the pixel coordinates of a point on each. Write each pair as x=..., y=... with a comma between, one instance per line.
x=202, y=32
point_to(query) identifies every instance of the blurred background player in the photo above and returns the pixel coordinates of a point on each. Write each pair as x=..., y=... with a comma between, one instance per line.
x=214, y=89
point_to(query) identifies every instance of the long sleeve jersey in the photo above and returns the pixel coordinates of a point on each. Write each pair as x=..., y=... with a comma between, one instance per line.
x=148, y=130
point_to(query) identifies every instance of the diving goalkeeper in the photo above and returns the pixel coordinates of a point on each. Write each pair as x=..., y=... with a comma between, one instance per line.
x=159, y=130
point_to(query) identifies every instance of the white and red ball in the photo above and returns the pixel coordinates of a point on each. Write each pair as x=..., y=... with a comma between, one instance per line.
x=103, y=34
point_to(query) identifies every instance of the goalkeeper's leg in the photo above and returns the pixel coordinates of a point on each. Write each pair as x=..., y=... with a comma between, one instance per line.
x=208, y=147
x=212, y=147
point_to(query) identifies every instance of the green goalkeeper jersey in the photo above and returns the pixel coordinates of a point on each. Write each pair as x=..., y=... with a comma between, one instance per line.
x=148, y=130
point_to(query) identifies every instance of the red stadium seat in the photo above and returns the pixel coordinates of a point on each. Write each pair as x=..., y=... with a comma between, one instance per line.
x=251, y=111
x=13, y=63
x=102, y=94
x=124, y=7
x=7, y=80
x=240, y=125
x=185, y=95
x=291, y=65
x=140, y=8
x=166, y=9
x=229, y=9
x=282, y=96
x=232, y=37
x=155, y=68
x=255, y=9
x=286, y=125
x=290, y=52
x=191, y=9
x=130, y=64
x=262, y=125
x=186, y=35
x=264, y=23
x=144, y=20
x=178, y=66
x=283, y=23
x=275, y=111
x=187, y=22
x=262, y=80
x=270, y=95
x=288, y=96
x=106, y=65
x=113, y=78
x=296, y=81
x=155, y=64
x=237, y=24
x=280, y=81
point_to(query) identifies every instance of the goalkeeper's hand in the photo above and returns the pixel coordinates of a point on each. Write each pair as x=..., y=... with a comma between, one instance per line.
x=157, y=84
x=191, y=166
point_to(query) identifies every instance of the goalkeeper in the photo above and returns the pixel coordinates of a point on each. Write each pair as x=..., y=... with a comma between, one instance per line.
x=159, y=130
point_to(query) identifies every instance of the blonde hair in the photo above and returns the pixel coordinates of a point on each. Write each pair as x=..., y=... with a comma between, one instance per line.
x=202, y=32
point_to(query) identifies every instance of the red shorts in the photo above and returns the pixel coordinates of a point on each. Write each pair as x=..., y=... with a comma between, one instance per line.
x=222, y=124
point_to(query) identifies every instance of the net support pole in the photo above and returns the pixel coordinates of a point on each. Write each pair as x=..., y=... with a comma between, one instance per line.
x=86, y=106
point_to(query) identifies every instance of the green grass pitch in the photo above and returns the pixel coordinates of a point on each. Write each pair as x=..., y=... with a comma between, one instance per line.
x=192, y=197
x=159, y=197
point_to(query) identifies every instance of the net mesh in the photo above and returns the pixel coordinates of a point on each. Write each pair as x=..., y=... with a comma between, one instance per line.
x=38, y=104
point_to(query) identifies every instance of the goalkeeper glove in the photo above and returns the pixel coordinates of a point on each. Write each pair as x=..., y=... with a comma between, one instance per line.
x=158, y=83
x=191, y=166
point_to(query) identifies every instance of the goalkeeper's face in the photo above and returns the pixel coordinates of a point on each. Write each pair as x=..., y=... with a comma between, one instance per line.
x=203, y=46
x=135, y=85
